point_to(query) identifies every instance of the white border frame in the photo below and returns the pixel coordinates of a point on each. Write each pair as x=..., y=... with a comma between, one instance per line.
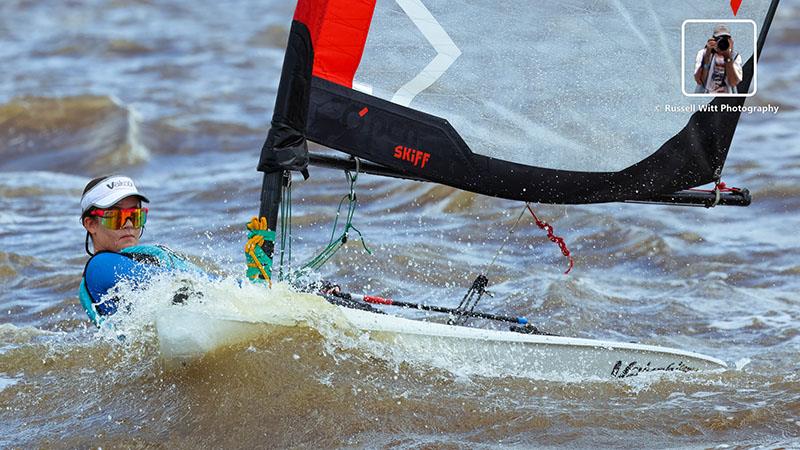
x=683, y=56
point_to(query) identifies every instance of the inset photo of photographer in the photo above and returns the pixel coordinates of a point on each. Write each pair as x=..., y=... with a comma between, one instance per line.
x=714, y=55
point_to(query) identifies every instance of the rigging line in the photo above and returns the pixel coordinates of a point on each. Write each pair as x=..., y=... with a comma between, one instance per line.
x=286, y=224
x=505, y=240
x=351, y=196
x=336, y=218
x=558, y=240
x=470, y=300
x=290, y=214
x=719, y=188
x=336, y=242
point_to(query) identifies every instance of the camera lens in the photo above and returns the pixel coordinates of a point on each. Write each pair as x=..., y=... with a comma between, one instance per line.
x=723, y=43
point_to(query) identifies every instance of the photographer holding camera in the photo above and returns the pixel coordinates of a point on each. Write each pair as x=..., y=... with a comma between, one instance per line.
x=718, y=69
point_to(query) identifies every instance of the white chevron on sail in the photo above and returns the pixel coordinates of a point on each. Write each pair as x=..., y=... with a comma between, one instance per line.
x=446, y=49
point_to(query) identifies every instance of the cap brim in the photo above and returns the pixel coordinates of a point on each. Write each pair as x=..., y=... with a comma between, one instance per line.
x=114, y=197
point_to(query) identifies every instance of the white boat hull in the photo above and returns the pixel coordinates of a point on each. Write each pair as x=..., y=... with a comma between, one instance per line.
x=185, y=335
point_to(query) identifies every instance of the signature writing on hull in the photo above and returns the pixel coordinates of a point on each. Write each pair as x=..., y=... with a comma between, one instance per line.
x=622, y=370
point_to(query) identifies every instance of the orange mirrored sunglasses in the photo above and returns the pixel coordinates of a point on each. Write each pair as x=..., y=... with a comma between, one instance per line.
x=114, y=219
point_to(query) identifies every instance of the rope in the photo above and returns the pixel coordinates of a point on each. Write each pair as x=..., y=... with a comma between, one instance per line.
x=505, y=241
x=478, y=288
x=256, y=241
x=470, y=300
x=249, y=249
x=286, y=225
x=558, y=240
x=335, y=243
x=467, y=306
x=719, y=188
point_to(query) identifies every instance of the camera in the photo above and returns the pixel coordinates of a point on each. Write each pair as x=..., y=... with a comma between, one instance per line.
x=723, y=43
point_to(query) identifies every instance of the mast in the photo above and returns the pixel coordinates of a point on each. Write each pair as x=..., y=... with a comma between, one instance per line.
x=285, y=148
x=270, y=202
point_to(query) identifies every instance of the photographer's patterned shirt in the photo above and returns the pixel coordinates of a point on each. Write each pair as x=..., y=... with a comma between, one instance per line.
x=718, y=84
x=715, y=83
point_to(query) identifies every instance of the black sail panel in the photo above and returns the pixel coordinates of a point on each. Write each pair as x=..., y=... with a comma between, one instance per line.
x=285, y=147
x=691, y=158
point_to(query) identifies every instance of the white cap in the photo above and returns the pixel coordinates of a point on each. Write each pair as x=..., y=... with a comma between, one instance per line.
x=721, y=30
x=109, y=191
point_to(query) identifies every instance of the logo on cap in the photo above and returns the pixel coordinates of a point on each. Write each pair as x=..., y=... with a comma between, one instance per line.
x=120, y=183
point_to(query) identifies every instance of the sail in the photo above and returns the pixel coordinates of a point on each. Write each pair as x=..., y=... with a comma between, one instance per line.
x=555, y=102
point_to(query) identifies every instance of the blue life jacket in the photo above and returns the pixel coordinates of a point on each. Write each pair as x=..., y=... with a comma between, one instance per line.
x=105, y=269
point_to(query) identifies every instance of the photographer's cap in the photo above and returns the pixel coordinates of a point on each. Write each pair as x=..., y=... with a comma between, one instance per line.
x=110, y=191
x=721, y=30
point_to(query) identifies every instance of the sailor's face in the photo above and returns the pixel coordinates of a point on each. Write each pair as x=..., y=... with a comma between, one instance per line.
x=105, y=239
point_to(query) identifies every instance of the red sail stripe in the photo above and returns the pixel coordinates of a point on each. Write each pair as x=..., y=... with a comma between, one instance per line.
x=735, y=4
x=339, y=31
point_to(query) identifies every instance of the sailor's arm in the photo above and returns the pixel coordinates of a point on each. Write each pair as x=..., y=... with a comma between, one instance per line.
x=733, y=65
x=103, y=271
x=733, y=70
x=702, y=64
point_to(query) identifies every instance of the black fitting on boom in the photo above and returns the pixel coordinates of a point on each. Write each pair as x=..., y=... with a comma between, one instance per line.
x=470, y=300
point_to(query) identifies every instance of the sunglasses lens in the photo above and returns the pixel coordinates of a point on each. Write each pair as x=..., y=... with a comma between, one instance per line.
x=139, y=217
x=114, y=219
x=111, y=219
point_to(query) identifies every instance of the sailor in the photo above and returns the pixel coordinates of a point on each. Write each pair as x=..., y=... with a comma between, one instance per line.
x=718, y=69
x=114, y=219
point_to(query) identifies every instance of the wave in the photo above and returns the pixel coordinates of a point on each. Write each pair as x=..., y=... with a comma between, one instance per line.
x=84, y=45
x=12, y=263
x=778, y=197
x=167, y=137
x=71, y=134
x=11, y=334
x=273, y=36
